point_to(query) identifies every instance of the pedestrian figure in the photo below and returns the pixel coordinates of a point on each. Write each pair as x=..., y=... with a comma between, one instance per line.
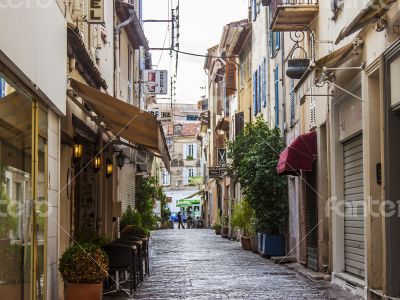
x=180, y=221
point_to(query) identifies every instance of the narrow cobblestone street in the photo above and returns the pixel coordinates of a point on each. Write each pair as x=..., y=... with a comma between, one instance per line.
x=197, y=264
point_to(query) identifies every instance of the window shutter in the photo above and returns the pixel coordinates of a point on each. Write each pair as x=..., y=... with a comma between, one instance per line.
x=264, y=87
x=277, y=40
x=254, y=9
x=2, y=87
x=185, y=176
x=260, y=94
x=185, y=152
x=292, y=102
x=271, y=44
x=194, y=151
x=276, y=73
x=254, y=93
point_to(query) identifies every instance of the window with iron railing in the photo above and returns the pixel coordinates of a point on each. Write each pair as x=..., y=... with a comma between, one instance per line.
x=275, y=3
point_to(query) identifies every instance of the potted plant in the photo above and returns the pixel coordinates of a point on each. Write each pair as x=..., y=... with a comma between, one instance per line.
x=84, y=268
x=242, y=218
x=254, y=161
x=225, y=228
x=217, y=225
x=135, y=230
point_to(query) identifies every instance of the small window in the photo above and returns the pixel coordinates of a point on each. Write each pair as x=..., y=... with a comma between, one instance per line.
x=178, y=130
x=192, y=118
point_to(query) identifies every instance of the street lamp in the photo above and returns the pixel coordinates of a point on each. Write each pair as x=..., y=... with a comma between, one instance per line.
x=109, y=168
x=77, y=151
x=97, y=163
x=120, y=160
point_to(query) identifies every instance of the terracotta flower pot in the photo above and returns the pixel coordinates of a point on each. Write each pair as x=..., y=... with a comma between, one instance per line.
x=83, y=291
x=246, y=243
x=12, y=291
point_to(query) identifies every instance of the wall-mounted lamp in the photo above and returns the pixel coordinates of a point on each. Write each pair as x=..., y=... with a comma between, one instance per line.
x=77, y=151
x=109, y=168
x=97, y=163
x=120, y=160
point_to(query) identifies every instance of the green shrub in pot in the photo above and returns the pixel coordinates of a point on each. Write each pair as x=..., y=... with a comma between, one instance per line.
x=84, y=268
x=135, y=230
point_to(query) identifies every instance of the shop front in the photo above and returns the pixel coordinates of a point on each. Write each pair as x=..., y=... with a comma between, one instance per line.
x=23, y=190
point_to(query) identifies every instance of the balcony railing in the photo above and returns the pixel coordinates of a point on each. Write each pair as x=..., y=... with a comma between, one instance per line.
x=292, y=15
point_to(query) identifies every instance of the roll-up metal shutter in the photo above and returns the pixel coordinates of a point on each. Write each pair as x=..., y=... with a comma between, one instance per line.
x=354, y=240
x=128, y=186
x=312, y=221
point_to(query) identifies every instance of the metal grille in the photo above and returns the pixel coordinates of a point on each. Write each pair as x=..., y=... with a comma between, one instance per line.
x=354, y=240
x=312, y=221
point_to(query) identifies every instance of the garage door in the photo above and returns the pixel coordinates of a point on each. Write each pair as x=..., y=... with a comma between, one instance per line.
x=312, y=220
x=354, y=240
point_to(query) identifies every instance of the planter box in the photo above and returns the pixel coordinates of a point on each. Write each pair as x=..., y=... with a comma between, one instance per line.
x=260, y=242
x=217, y=231
x=273, y=245
x=75, y=291
x=225, y=232
x=246, y=243
x=254, y=244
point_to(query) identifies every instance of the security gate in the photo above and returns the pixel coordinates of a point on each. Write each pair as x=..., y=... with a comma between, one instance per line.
x=354, y=241
x=312, y=220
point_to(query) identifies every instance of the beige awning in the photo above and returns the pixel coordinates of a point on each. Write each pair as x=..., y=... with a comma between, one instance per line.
x=334, y=59
x=124, y=120
x=369, y=13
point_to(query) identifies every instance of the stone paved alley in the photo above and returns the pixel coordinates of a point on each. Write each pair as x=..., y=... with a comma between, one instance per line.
x=197, y=264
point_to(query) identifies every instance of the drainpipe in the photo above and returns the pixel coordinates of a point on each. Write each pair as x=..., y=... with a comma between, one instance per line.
x=118, y=28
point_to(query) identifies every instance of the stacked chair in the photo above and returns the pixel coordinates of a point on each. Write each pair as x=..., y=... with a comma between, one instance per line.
x=129, y=262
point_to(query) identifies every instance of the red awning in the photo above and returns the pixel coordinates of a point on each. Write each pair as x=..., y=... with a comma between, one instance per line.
x=299, y=155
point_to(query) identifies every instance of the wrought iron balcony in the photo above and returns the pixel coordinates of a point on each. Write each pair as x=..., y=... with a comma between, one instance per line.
x=292, y=15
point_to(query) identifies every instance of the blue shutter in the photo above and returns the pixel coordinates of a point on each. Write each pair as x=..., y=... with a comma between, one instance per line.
x=277, y=40
x=259, y=96
x=264, y=87
x=292, y=102
x=254, y=94
x=271, y=44
x=254, y=9
x=276, y=73
x=2, y=87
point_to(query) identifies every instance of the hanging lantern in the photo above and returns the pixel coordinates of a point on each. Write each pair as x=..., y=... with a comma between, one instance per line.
x=297, y=67
x=77, y=151
x=120, y=160
x=109, y=168
x=97, y=163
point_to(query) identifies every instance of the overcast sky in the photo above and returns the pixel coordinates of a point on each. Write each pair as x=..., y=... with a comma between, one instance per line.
x=201, y=24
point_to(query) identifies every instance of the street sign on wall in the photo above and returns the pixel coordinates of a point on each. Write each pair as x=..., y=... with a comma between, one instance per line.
x=216, y=172
x=95, y=12
x=155, y=82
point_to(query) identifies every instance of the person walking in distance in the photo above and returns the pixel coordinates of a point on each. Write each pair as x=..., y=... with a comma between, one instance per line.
x=180, y=221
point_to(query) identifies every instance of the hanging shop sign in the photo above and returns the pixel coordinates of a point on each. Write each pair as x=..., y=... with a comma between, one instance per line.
x=222, y=157
x=155, y=82
x=163, y=116
x=95, y=12
x=216, y=172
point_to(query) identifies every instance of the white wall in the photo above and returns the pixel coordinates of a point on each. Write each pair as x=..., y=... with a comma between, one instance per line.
x=34, y=37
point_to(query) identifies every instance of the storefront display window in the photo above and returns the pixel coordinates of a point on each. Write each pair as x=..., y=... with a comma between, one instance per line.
x=19, y=141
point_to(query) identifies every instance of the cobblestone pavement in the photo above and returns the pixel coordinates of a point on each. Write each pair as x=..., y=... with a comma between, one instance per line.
x=197, y=264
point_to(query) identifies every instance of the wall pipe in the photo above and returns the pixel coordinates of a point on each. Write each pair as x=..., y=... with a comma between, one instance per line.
x=118, y=28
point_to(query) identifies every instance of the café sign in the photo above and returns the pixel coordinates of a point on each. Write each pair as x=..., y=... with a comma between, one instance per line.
x=155, y=82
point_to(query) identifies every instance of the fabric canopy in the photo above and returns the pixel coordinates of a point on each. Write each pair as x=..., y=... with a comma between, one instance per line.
x=371, y=11
x=127, y=121
x=299, y=155
x=333, y=59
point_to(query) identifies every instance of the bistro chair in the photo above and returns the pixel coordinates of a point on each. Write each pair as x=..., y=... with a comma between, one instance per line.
x=122, y=258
